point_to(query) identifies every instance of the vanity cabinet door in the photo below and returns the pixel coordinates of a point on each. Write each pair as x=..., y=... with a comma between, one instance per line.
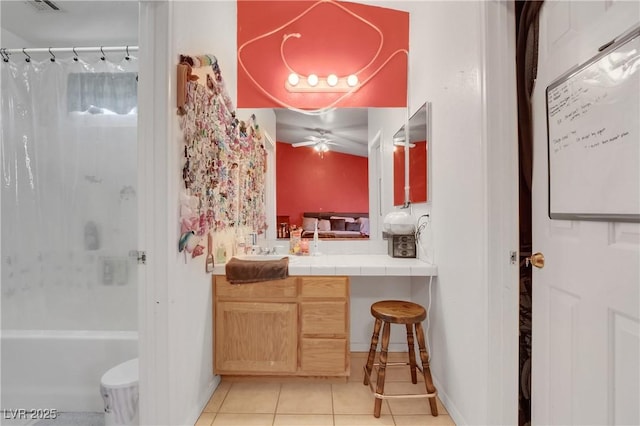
x=256, y=337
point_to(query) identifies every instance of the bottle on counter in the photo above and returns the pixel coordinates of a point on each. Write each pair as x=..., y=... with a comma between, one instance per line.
x=314, y=248
x=294, y=242
x=304, y=247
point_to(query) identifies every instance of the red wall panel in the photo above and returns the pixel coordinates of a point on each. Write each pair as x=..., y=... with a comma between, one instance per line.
x=307, y=181
x=332, y=41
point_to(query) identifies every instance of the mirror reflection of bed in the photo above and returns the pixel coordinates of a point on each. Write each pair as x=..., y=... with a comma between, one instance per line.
x=322, y=173
x=335, y=225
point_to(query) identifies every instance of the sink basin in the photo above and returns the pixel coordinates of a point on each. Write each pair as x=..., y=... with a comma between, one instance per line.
x=262, y=257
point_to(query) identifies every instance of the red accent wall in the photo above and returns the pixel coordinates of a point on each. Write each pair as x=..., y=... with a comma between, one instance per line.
x=417, y=174
x=305, y=181
x=332, y=41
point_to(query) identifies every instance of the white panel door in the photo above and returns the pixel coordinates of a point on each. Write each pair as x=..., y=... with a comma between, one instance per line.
x=586, y=327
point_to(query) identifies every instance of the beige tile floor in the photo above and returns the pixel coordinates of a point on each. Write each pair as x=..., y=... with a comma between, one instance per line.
x=313, y=403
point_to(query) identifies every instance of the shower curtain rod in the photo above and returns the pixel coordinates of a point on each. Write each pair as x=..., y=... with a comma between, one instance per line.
x=76, y=50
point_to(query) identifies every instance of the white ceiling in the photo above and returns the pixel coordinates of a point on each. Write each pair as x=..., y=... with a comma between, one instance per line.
x=115, y=23
x=347, y=128
x=76, y=24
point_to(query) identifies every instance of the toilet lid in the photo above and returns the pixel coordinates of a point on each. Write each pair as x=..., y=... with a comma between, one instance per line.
x=125, y=374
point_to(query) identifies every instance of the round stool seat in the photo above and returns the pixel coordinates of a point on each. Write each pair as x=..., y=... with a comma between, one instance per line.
x=398, y=311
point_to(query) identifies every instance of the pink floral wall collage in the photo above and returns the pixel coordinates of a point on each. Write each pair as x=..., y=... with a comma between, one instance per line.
x=224, y=163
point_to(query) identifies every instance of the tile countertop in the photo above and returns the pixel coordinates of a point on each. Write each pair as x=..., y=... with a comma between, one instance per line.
x=354, y=264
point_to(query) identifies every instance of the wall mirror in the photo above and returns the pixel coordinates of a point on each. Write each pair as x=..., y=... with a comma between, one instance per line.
x=322, y=173
x=417, y=148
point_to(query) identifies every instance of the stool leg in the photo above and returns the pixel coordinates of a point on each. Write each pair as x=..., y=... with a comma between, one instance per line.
x=424, y=357
x=372, y=350
x=383, y=366
x=412, y=354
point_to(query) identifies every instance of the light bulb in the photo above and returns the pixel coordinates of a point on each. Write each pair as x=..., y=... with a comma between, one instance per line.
x=293, y=79
x=332, y=80
x=352, y=80
x=312, y=80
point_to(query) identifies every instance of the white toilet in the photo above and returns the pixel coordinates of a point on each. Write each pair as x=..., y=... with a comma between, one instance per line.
x=119, y=390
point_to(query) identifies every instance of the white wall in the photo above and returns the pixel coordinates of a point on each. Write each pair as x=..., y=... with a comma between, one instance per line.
x=12, y=41
x=447, y=67
x=195, y=28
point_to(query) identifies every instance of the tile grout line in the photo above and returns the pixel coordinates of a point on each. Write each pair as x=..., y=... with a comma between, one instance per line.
x=275, y=410
x=221, y=402
x=333, y=410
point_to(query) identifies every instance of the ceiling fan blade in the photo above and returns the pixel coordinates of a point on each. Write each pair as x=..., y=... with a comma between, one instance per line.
x=319, y=130
x=305, y=143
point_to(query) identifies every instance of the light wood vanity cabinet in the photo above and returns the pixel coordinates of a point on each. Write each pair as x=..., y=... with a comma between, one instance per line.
x=298, y=326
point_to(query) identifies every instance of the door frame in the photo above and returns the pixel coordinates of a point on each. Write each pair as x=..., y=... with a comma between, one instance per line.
x=498, y=83
x=154, y=129
x=500, y=136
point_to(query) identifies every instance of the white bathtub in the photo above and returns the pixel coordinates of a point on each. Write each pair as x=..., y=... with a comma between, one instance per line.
x=51, y=369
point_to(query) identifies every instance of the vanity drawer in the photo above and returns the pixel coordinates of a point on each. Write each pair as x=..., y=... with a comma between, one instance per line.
x=324, y=356
x=324, y=287
x=324, y=318
x=267, y=289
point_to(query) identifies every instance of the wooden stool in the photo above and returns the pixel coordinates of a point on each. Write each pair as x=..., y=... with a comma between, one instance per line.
x=410, y=314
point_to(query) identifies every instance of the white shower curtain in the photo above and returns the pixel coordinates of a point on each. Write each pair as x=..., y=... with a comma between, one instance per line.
x=69, y=202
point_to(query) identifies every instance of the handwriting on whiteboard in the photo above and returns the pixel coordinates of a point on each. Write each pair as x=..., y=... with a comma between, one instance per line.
x=580, y=109
x=588, y=140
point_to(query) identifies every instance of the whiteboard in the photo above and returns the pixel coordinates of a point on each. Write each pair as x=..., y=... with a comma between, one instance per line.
x=593, y=136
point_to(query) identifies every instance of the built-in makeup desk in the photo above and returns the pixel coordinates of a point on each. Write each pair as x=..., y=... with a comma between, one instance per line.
x=354, y=265
x=299, y=326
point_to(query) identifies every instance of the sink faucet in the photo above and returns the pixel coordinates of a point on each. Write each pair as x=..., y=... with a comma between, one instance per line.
x=256, y=249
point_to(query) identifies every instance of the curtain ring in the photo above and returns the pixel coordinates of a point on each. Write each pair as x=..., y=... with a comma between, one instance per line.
x=102, y=51
x=5, y=55
x=127, y=57
x=28, y=58
x=53, y=57
x=75, y=58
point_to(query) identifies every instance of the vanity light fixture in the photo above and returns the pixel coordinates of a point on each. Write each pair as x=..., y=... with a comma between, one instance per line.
x=293, y=79
x=314, y=83
x=312, y=80
x=321, y=147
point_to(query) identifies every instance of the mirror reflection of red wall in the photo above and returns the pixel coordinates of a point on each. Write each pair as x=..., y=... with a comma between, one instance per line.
x=335, y=37
x=417, y=173
x=309, y=182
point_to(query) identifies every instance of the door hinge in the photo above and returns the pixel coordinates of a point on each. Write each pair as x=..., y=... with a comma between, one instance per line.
x=141, y=256
x=513, y=257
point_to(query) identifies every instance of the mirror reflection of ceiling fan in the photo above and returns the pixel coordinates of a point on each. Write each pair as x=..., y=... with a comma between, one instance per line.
x=346, y=127
x=320, y=143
